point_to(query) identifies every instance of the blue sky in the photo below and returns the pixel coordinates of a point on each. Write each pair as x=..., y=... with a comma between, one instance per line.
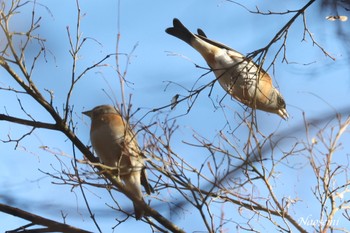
x=311, y=82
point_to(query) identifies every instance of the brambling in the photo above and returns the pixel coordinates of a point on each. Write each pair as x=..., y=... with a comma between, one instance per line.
x=116, y=146
x=239, y=76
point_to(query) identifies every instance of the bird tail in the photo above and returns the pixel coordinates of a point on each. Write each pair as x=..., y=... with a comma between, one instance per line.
x=144, y=182
x=132, y=183
x=139, y=212
x=199, y=42
x=201, y=33
x=180, y=31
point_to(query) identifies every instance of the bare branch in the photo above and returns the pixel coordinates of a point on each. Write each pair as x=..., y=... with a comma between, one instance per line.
x=35, y=124
x=50, y=225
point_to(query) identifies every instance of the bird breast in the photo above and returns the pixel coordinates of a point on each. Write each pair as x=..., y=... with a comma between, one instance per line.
x=106, y=141
x=238, y=78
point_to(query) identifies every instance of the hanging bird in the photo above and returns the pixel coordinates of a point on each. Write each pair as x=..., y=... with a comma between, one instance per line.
x=116, y=146
x=239, y=76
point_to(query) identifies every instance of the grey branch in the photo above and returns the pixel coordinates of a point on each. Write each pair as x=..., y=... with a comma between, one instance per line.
x=51, y=225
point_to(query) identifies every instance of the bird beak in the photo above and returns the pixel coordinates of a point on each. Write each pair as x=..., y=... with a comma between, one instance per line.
x=283, y=113
x=87, y=113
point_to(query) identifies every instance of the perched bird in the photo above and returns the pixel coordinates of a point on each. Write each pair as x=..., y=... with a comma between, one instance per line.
x=238, y=75
x=116, y=146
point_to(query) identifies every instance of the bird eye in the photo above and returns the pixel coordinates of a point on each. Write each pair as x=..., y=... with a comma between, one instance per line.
x=280, y=101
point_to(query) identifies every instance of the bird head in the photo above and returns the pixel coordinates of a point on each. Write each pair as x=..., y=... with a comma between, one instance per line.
x=102, y=109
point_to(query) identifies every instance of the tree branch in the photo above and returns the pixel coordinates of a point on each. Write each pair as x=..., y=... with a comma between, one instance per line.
x=36, y=124
x=38, y=220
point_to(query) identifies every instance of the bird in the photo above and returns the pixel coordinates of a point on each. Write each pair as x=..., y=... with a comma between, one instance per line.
x=116, y=146
x=238, y=75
